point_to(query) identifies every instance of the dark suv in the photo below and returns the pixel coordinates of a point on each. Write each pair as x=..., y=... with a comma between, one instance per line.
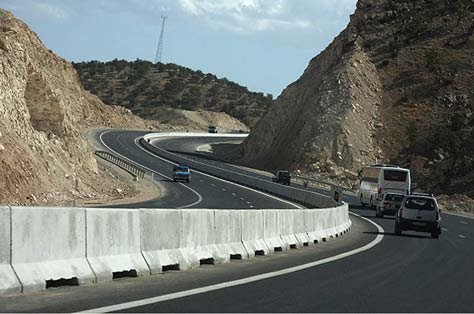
x=419, y=212
x=283, y=177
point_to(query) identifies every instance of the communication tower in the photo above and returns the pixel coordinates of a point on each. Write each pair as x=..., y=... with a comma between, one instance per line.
x=159, y=50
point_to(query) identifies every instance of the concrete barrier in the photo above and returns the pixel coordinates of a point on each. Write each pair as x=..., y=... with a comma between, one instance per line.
x=228, y=230
x=271, y=231
x=287, y=228
x=49, y=244
x=161, y=238
x=113, y=246
x=199, y=237
x=8, y=281
x=299, y=228
x=253, y=233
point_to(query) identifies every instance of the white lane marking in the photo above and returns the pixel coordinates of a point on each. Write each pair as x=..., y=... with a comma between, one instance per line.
x=250, y=206
x=219, y=179
x=153, y=171
x=248, y=202
x=212, y=184
x=224, y=190
x=238, y=282
x=444, y=229
x=464, y=222
x=461, y=236
x=242, y=198
x=234, y=194
x=458, y=215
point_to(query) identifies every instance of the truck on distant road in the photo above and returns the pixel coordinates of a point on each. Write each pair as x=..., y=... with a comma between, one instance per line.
x=283, y=177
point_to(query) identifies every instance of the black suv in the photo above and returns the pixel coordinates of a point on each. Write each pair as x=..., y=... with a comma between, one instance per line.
x=283, y=177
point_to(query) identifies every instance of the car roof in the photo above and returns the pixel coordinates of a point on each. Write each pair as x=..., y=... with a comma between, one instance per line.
x=421, y=196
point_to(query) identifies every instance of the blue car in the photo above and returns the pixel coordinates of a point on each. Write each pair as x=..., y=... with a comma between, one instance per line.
x=181, y=173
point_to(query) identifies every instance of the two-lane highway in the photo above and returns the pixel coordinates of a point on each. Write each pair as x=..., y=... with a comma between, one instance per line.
x=203, y=191
x=367, y=270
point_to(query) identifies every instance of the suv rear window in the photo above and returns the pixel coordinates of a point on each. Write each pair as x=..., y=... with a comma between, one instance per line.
x=181, y=169
x=283, y=174
x=420, y=203
x=395, y=175
x=394, y=197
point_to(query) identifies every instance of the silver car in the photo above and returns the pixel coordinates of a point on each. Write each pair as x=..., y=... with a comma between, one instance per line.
x=419, y=212
x=389, y=205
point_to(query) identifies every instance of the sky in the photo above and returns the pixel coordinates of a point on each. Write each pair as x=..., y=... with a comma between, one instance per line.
x=262, y=44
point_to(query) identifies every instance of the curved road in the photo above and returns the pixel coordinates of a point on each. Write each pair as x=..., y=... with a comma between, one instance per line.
x=411, y=273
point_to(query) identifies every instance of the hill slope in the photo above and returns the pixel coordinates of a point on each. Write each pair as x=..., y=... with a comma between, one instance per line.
x=395, y=86
x=44, y=112
x=146, y=88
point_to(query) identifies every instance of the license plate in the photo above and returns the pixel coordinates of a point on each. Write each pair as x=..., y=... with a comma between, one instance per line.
x=418, y=223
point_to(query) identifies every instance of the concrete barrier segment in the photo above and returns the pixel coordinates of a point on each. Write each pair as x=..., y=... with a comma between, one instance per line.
x=161, y=240
x=199, y=237
x=8, y=281
x=271, y=231
x=252, y=233
x=228, y=230
x=49, y=244
x=287, y=227
x=113, y=246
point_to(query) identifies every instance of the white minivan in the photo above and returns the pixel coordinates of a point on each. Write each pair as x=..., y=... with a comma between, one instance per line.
x=377, y=180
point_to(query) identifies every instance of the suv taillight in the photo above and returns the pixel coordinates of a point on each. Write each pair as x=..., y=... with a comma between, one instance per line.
x=387, y=203
x=400, y=212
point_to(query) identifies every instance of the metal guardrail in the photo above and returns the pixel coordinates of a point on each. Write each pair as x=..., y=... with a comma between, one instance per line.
x=125, y=165
x=323, y=183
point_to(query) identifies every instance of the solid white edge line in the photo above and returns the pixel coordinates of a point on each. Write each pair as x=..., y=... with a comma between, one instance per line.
x=238, y=282
x=199, y=200
x=219, y=179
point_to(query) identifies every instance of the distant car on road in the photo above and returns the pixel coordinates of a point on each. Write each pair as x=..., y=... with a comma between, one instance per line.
x=419, y=212
x=181, y=173
x=283, y=177
x=212, y=129
x=389, y=204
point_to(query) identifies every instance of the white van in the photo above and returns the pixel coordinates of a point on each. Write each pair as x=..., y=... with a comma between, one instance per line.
x=377, y=180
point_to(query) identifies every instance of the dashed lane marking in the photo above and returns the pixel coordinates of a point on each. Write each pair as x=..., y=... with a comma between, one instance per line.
x=224, y=190
x=219, y=179
x=464, y=222
x=234, y=194
x=444, y=229
x=461, y=236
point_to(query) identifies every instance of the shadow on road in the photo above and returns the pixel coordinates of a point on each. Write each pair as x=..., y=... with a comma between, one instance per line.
x=393, y=234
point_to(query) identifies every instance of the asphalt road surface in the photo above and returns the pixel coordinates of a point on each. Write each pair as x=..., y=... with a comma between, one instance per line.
x=408, y=273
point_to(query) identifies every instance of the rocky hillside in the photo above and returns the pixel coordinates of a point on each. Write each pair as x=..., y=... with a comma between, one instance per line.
x=146, y=88
x=44, y=111
x=395, y=86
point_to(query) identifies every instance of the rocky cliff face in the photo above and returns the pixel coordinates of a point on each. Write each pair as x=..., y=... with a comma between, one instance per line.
x=381, y=92
x=43, y=112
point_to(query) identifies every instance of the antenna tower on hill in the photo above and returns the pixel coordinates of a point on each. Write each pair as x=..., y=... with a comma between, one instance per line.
x=159, y=50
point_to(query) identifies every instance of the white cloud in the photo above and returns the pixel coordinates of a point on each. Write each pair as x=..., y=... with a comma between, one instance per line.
x=50, y=11
x=244, y=15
